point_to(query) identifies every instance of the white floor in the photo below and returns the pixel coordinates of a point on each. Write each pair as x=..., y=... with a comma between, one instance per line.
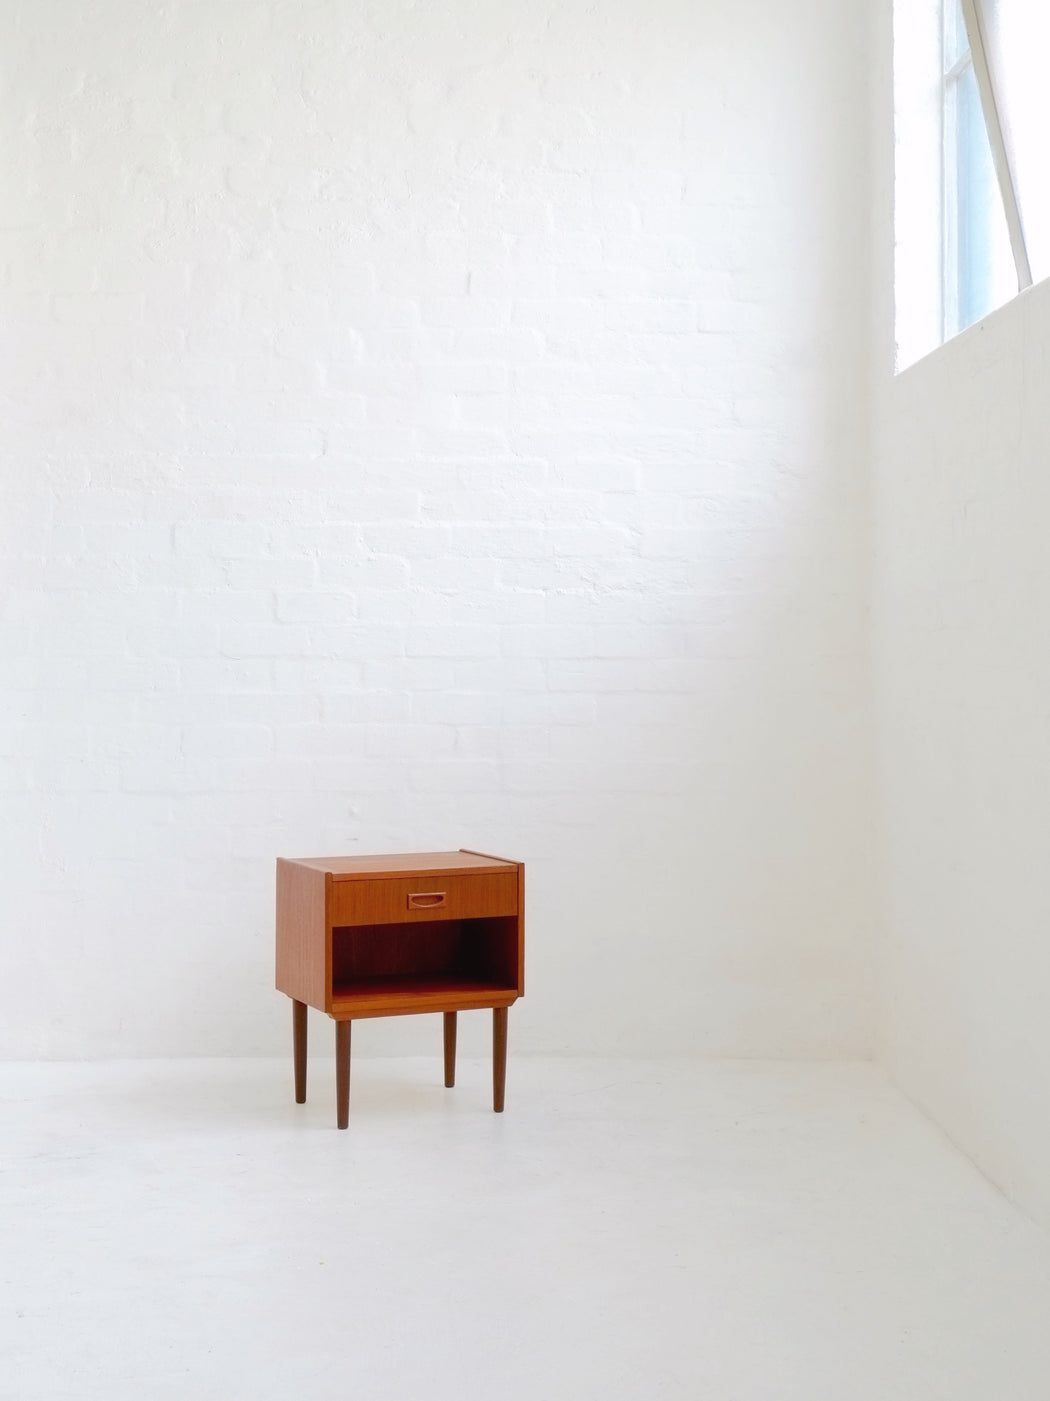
x=625, y=1230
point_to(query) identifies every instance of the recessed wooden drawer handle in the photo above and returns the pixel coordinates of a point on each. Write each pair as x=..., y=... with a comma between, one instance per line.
x=426, y=900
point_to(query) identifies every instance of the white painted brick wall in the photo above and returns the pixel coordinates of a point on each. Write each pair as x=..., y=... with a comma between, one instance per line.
x=429, y=426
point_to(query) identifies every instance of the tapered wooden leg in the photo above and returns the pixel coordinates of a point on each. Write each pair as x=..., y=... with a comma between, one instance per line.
x=299, y=1049
x=499, y=1057
x=342, y=1074
x=450, y=1049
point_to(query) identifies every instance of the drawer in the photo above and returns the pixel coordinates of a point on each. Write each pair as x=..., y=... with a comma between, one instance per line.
x=420, y=898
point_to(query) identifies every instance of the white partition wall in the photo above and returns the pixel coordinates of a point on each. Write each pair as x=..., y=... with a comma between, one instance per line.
x=961, y=606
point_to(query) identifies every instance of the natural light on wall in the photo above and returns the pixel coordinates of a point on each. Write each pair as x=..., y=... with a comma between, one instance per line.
x=972, y=185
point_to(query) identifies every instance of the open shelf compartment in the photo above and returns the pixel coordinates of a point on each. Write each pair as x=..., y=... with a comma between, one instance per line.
x=449, y=965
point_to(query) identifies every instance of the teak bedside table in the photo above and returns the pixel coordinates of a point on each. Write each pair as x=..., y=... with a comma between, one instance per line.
x=382, y=936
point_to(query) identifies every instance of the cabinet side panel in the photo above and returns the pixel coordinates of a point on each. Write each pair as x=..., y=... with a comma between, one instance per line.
x=521, y=929
x=301, y=933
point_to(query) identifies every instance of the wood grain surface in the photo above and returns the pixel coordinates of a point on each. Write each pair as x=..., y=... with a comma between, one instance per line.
x=303, y=956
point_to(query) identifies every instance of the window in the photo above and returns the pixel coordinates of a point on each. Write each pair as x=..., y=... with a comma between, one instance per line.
x=972, y=183
x=978, y=268
x=1015, y=36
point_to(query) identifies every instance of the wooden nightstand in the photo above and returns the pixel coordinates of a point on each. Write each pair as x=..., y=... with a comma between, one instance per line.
x=382, y=936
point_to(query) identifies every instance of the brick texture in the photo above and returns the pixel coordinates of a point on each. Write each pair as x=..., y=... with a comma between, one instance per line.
x=436, y=425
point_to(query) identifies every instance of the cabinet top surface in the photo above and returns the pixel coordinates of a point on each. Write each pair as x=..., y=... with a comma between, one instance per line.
x=414, y=863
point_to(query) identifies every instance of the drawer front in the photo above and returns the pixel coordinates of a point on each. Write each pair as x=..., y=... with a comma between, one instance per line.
x=420, y=898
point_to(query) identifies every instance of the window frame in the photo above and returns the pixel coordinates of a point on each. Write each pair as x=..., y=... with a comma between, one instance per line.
x=986, y=87
x=951, y=78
